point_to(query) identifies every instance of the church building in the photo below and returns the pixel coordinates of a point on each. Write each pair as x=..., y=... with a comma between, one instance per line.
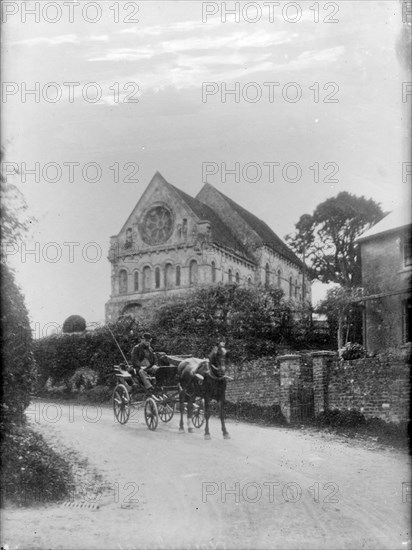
x=172, y=243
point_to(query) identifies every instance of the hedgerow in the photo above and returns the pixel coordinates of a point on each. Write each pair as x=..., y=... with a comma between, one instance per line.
x=254, y=322
x=30, y=470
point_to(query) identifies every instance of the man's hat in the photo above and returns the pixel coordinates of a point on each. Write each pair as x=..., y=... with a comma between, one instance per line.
x=147, y=336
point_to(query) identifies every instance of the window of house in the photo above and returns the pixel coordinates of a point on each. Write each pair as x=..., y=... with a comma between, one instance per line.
x=193, y=272
x=237, y=278
x=407, y=321
x=213, y=272
x=230, y=275
x=157, y=277
x=122, y=281
x=178, y=275
x=249, y=281
x=279, y=274
x=407, y=251
x=296, y=288
x=136, y=281
x=290, y=286
x=147, y=276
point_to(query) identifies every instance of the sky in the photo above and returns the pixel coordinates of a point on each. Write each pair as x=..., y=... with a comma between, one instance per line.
x=316, y=108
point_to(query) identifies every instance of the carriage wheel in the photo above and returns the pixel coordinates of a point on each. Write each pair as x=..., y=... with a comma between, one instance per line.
x=198, y=414
x=166, y=410
x=121, y=403
x=151, y=413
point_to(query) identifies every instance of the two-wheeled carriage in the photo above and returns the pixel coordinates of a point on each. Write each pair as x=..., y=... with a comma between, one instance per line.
x=129, y=394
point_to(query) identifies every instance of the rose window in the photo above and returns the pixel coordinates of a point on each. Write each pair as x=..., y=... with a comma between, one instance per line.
x=157, y=226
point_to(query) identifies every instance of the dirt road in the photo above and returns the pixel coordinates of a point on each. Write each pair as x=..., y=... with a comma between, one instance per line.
x=266, y=487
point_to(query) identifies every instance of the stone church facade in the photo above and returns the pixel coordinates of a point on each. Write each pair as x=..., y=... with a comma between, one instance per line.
x=172, y=243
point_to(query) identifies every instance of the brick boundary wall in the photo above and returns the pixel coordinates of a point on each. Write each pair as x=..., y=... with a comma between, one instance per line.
x=258, y=390
x=256, y=382
x=376, y=386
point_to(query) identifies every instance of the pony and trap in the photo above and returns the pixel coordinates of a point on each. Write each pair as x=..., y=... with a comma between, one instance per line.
x=130, y=394
x=185, y=380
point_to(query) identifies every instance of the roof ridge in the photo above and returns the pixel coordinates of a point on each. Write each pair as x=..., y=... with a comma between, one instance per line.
x=211, y=213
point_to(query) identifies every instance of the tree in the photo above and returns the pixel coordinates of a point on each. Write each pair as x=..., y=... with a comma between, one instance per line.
x=326, y=239
x=252, y=320
x=74, y=323
x=341, y=309
x=18, y=370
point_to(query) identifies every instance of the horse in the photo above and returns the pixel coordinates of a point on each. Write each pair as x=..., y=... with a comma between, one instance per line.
x=203, y=378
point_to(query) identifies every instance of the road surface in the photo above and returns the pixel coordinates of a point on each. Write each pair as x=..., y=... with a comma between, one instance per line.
x=266, y=487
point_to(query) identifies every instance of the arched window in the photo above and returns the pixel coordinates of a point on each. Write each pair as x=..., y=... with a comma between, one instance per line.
x=213, y=272
x=290, y=286
x=267, y=275
x=303, y=292
x=157, y=277
x=168, y=276
x=129, y=237
x=237, y=278
x=193, y=272
x=178, y=275
x=122, y=281
x=249, y=281
x=136, y=281
x=296, y=288
x=229, y=274
x=279, y=278
x=147, y=278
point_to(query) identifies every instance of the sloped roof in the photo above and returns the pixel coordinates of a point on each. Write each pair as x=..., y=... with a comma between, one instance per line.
x=399, y=218
x=221, y=233
x=268, y=236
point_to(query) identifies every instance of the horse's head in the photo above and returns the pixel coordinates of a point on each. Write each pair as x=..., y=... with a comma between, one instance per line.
x=219, y=358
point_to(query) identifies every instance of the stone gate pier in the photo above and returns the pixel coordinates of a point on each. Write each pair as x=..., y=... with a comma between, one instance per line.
x=290, y=372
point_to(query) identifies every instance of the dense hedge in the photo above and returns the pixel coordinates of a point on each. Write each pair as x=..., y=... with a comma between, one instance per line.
x=31, y=471
x=18, y=365
x=59, y=356
x=255, y=322
x=252, y=321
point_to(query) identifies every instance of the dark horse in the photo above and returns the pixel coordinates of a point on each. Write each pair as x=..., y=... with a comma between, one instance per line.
x=203, y=378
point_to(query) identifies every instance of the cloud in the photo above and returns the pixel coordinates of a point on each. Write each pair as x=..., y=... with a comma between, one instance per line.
x=60, y=40
x=125, y=54
x=183, y=26
x=53, y=41
x=98, y=38
x=233, y=41
x=330, y=54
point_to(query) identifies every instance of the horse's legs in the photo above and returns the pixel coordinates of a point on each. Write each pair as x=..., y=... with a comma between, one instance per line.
x=207, y=415
x=190, y=428
x=222, y=419
x=182, y=409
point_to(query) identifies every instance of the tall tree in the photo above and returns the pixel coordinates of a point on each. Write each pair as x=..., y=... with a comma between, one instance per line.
x=326, y=239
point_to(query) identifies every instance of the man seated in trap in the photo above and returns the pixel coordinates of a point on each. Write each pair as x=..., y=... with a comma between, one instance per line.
x=143, y=361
